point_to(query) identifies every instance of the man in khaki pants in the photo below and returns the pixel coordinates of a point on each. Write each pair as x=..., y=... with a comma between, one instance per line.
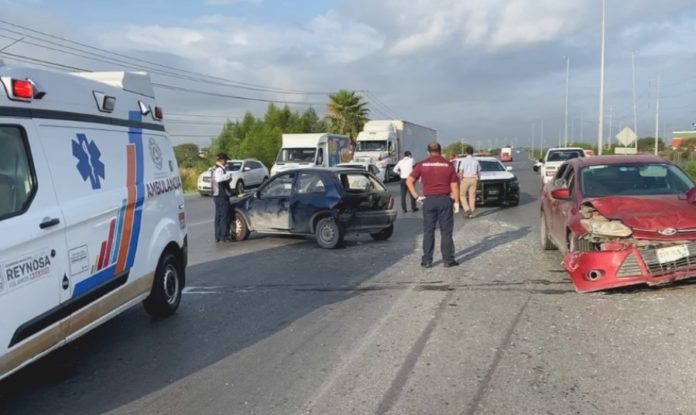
x=469, y=174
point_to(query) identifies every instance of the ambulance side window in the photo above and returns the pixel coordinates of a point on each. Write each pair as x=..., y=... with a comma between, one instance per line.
x=17, y=178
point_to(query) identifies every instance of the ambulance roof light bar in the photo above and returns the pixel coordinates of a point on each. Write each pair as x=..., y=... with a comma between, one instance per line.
x=21, y=89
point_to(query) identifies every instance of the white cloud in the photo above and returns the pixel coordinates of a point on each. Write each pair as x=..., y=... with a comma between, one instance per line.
x=230, y=2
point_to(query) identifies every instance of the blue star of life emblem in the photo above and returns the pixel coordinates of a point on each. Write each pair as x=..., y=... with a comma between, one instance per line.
x=88, y=163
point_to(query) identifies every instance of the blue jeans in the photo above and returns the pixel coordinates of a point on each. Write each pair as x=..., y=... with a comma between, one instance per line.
x=438, y=210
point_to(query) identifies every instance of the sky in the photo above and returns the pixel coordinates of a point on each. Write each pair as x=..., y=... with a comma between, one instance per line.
x=483, y=71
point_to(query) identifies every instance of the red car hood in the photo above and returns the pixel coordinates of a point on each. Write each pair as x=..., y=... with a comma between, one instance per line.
x=648, y=212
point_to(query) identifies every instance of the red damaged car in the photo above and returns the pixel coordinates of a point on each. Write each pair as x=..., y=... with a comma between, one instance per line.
x=621, y=220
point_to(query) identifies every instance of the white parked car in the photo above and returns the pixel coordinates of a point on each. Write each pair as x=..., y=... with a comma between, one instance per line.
x=247, y=173
x=364, y=165
x=553, y=160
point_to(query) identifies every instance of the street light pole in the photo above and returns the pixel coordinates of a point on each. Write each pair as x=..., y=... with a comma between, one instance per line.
x=635, y=105
x=600, y=126
x=567, y=58
x=657, y=114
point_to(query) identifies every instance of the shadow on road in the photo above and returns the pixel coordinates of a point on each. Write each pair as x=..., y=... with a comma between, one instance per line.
x=133, y=356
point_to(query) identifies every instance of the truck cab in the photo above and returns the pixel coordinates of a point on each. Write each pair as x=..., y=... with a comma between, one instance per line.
x=311, y=150
x=506, y=154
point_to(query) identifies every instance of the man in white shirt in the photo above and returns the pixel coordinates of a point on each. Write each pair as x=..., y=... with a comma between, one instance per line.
x=404, y=168
x=469, y=174
x=221, y=195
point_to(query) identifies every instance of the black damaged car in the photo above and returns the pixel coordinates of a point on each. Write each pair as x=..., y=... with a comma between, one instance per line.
x=326, y=203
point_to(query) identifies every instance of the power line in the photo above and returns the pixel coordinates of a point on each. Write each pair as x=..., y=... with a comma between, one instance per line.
x=207, y=78
x=43, y=62
x=171, y=114
x=221, y=95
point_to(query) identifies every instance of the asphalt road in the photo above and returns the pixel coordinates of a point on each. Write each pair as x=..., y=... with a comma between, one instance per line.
x=278, y=326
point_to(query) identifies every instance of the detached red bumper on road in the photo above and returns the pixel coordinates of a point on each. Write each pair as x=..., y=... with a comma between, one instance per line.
x=601, y=270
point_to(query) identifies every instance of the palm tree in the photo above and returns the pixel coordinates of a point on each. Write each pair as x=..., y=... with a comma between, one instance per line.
x=347, y=112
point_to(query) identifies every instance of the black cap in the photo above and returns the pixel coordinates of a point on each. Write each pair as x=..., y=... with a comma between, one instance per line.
x=222, y=156
x=407, y=153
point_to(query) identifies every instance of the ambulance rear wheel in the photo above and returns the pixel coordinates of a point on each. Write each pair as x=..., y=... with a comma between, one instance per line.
x=167, y=285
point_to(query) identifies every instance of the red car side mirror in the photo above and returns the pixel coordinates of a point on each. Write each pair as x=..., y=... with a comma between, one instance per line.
x=562, y=193
x=691, y=195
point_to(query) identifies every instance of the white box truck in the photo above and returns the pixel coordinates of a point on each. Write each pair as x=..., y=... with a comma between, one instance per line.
x=311, y=150
x=383, y=143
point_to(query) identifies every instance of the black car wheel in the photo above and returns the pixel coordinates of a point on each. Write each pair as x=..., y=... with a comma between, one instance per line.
x=514, y=202
x=328, y=233
x=384, y=234
x=239, y=187
x=240, y=229
x=168, y=282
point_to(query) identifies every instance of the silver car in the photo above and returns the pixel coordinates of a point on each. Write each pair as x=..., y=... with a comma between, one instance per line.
x=247, y=173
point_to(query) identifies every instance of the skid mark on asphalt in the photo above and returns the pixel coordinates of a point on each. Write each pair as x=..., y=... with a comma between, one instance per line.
x=402, y=376
x=353, y=355
x=521, y=285
x=485, y=383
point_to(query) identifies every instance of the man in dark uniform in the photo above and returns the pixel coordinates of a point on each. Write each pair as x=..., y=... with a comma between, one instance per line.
x=440, y=202
x=221, y=195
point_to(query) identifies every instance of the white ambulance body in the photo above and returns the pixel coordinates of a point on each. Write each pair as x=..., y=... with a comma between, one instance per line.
x=92, y=214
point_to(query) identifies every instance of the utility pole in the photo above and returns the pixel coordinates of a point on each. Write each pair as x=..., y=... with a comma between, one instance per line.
x=600, y=124
x=533, y=134
x=560, y=134
x=567, y=89
x=582, y=126
x=657, y=115
x=611, y=120
x=541, y=137
x=635, y=105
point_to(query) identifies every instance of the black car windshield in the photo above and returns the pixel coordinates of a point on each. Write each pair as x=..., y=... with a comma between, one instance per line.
x=487, y=165
x=233, y=166
x=633, y=179
x=372, y=145
x=297, y=155
x=563, y=155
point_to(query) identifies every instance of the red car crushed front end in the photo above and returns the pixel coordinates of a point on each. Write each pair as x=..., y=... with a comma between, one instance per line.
x=652, y=241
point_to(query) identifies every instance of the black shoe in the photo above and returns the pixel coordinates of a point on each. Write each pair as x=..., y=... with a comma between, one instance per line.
x=451, y=264
x=416, y=209
x=405, y=211
x=426, y=264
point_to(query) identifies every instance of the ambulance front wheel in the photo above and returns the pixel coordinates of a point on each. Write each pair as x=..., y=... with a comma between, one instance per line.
x=165, y=295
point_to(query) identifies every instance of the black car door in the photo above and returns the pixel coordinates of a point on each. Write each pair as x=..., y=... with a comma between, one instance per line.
x=269, y=210
x=309, y=198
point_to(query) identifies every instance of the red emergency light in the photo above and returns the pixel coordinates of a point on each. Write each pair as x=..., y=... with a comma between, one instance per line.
x=158, y=114
x=22, y=89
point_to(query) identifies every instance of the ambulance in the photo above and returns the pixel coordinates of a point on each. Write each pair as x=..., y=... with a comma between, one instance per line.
x=92, y=216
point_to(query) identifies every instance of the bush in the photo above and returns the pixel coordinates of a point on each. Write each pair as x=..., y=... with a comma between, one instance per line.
x=690, y=168
x=189, y=178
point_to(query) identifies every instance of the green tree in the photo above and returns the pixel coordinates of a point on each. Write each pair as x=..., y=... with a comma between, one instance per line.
x=648, y=144
x=347, y=113
x=454, y=148
x=187, y=155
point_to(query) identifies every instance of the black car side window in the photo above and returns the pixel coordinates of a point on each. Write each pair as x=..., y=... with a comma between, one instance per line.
x=310, y=183
x=281, y=186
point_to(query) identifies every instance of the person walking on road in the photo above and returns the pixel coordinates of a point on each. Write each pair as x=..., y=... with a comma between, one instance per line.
x=440, y=203
x=469, y=173
x=404, y=168
x=221, y=195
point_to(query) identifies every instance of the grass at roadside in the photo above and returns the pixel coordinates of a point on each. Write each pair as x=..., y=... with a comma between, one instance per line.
x=189, y=177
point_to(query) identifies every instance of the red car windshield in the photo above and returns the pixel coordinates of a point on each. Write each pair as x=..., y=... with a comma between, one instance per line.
x=637, y=179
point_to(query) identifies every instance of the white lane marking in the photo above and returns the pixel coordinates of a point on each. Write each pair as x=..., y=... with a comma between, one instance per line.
x=203, y=290
x=203, y=222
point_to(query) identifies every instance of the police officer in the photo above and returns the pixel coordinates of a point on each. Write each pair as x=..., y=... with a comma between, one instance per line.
x=440, y=202
x=221, y=195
